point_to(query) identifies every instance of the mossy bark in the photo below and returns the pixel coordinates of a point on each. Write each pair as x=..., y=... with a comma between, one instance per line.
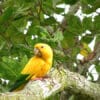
x=59, y=80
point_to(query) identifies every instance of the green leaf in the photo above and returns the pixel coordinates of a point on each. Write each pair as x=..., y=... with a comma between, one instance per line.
x=10, y=74
x=94, y=4
x=6, y=15
x=2, y=43
x=74, y=24
x=98, y=38
x=71, y=2
x=89, y=1
x=98, y=68
x=48, y=7
x=59, y=10
x=87, y=23
x=58, y=36
x=20, y=24
x=49, y=21
x=24, y=61
x=68, y=40
x=87, y=39
x=97, y=24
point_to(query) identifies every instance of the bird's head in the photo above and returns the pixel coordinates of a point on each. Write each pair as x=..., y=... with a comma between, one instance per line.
x=43, y=50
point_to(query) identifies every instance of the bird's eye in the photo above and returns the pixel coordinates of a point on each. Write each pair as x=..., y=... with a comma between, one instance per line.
x=42, y=46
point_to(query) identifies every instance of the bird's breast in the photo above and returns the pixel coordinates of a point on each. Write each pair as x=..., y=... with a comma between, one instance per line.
x=44, y=70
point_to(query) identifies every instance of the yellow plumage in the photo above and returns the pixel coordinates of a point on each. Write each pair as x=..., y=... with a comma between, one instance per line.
x=39, y=65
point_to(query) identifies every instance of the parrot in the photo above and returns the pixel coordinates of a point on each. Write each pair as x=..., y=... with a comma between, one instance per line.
x=37, y=67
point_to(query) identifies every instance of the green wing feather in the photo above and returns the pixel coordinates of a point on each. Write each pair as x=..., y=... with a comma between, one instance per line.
x=22, y=79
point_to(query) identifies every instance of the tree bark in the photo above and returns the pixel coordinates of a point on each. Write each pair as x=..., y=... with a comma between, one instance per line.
x=59, y=80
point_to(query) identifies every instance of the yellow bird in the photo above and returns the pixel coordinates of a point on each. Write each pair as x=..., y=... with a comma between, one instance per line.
x=37, y=67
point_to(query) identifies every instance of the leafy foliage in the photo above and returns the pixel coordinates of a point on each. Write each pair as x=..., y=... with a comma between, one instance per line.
x=16, y=45
x=94, y=4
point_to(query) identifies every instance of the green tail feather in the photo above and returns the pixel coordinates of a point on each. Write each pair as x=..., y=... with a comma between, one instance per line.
x=22, y=79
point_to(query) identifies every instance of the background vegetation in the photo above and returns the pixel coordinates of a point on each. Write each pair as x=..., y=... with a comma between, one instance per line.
x=22, y=24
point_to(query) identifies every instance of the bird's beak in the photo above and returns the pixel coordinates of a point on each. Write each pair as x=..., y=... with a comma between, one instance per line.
x=37, y=52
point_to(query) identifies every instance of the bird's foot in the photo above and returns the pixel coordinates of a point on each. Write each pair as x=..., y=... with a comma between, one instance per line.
x=38, y=79
x=42, y=78
x=46, y=76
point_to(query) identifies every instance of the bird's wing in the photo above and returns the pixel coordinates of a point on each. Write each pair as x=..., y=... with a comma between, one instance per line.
x=20, y=82
x=31, y=69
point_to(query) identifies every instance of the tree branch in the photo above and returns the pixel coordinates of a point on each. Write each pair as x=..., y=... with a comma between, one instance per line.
x=42, y=89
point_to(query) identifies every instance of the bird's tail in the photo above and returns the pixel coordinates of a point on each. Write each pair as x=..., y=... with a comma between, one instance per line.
x=20, y=83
